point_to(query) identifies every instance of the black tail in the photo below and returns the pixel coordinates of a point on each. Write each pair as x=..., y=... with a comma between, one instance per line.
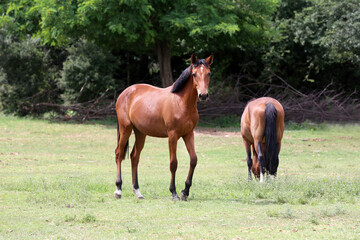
x=272, y=147
x=118, y=139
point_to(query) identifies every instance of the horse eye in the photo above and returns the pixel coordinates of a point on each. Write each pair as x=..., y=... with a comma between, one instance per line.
x=209, y=74
x=194, y=74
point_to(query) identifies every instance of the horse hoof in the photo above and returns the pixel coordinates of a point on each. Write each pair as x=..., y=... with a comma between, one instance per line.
x=175, y=198
x=184, y=197
x=138, y=194
x=117, y=194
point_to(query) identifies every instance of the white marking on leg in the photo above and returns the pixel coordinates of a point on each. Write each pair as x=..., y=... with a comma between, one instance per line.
x=118, y=192
x=261, y=177
x=137, y=193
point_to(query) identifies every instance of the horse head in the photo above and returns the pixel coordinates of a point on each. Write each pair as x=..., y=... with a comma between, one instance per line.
x=201, y=75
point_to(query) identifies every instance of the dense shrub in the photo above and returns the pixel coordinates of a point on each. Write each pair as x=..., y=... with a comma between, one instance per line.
x=27, y=75
x=318, y=44
x=87, y=72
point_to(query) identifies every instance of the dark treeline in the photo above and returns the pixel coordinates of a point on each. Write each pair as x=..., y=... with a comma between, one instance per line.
x=71, y=56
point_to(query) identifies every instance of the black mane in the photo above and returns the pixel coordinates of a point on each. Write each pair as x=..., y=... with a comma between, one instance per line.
x=181, y=81
x=185, y=75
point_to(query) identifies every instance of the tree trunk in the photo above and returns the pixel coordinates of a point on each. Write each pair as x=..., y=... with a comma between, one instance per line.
x=163, y=54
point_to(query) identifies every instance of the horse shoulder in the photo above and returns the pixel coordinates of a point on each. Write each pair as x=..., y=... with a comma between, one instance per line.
x=178, y=117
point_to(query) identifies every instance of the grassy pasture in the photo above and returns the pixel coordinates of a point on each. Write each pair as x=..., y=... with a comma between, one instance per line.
x=57, y=182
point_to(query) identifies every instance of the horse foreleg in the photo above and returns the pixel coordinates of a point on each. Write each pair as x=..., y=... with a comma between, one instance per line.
x=135, y=156
x=248, y=158
x=190, y=146
x=173, y=164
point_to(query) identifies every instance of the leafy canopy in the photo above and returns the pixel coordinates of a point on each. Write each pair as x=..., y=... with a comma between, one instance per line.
x=137, y=25
x=332, y=25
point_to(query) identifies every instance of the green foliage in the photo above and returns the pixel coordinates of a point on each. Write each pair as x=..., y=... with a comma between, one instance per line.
x=20, y=17
x=139, y=25
x=332, y=26
x=309, y=43
x=319, y=43
x=87, y=72
x=138, y=28
x=220, y=24
x=27, y=75
x=116, y=24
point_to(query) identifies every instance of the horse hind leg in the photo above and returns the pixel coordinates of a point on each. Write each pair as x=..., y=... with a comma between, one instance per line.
x=120, y=151
x=248, y=158
x=135, y=156
x=255, y=163
x=261, y=160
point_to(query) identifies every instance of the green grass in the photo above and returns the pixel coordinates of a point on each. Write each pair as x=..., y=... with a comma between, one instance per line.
x=57, y=182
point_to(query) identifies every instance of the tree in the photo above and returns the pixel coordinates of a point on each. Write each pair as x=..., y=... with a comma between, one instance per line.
x=27, y=75
x=319, y=44
x=333, y=25
x=159, y=27
x=87, y=72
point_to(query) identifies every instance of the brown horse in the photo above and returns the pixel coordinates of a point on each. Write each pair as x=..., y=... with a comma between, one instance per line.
x=162, y=112
x=262, y=127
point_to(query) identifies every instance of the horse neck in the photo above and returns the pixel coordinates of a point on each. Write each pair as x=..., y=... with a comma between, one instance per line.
x=190, y=96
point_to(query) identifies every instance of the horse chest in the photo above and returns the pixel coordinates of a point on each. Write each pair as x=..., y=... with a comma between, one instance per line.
x=186, y=124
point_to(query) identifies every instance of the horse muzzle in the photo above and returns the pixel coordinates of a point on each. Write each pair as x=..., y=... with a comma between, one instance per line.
x=203, y=97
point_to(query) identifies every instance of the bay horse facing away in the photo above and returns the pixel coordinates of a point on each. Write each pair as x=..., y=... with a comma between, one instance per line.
x=162, y=112
x=262, y=127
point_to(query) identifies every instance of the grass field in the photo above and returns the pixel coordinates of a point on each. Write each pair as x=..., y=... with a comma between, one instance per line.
x=57, y=182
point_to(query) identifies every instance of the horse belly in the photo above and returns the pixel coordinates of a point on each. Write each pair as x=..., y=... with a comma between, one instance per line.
x=154, y=129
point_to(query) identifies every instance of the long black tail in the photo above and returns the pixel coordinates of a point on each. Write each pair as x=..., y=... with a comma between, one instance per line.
x=272, y=146
x=126, y=150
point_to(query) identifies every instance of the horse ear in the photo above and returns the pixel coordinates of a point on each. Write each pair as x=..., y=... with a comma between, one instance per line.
x=210, y=59
x=193, y=58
